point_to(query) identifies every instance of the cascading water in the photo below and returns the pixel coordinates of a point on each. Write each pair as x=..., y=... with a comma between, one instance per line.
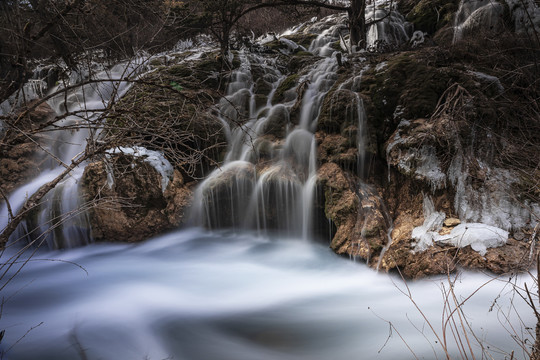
x=269, y=175
x=60, y=220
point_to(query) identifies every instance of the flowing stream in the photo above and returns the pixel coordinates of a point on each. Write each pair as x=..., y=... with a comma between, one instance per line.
x=224, y=295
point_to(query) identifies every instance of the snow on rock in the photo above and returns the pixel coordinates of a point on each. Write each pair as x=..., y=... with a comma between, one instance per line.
x=154, y=158
x=479, y=236
x=489, y=79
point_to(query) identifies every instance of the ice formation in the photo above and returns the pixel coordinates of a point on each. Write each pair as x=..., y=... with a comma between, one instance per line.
x=428, y=231
x=491, y=204
x=479, y=236
x=488, y=15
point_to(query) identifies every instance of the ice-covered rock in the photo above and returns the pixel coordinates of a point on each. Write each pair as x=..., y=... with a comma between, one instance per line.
x=475, y=16
x=291, y=45
x=479, y=236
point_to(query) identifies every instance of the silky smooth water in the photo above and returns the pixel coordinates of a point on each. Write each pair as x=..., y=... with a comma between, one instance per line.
x=197, y=295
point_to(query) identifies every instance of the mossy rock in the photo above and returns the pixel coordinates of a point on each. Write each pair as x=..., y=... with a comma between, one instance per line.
x=177, y=107
x=300, y=61
x=304, y=53
x=303, y=39
x=430, y=15
x=339, y=111
x=181, y=70
x=288, y=83
x=262, y=87
x=406, y=81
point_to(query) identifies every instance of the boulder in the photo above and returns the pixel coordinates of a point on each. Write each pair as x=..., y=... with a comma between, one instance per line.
x=129, y=204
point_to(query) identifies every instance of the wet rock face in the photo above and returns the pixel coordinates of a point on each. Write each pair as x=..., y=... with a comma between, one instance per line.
x=430, y=132
x=357, y=212
x=429, y=15
x=133, y=207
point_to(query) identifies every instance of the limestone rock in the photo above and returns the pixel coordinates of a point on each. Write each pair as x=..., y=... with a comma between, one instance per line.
x=451, y=222
x=134, y=207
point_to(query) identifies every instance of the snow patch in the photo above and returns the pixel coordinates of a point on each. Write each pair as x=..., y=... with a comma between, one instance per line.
x=489, y=79
x=154, y=158
x=380, y=66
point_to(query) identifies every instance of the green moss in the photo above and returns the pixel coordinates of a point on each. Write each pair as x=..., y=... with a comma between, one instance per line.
x=299, y=61
x=285, y=85
x=181, y=70
x=406, y=81
x=157, y=61
x=303, y=53
x=304, y=40
x=262, y=87
x=339, y=111
x=431, y=15
x=336, y=46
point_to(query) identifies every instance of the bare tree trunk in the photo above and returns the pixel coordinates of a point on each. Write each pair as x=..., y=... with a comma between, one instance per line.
x=357, y=24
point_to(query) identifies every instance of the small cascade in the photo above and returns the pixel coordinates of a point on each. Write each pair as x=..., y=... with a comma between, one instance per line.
x=269, y=176
x=349, y=106
x=472, y=17
x=390, y=28
x=60, y=220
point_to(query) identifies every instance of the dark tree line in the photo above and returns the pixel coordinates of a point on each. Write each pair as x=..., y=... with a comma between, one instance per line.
x=61, y=29
x=221, y=16
x=66, y=30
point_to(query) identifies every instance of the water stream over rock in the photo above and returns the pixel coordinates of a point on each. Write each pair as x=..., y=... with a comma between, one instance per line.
x=198, y=295
x=247, y=279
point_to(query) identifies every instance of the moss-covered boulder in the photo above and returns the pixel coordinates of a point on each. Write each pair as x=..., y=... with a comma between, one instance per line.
x=171, y=110
x=429, y=15
x=285, y=90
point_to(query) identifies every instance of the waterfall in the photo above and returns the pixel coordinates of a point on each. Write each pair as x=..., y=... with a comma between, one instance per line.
x=268, y=179
x=269, y=176
x=60, y=220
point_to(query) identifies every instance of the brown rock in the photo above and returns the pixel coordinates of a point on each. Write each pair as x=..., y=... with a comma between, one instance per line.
x=445, y=231
x=357, y=212
x=23, y=158
x=451, y=222
x=134, y=208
